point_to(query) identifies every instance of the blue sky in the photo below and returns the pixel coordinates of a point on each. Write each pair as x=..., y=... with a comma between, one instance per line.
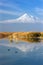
x=11, y=9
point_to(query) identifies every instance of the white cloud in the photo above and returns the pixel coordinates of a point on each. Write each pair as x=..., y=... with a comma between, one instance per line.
x=14, y=6
x=14, y=9
x=9, y=12
x=39, y=11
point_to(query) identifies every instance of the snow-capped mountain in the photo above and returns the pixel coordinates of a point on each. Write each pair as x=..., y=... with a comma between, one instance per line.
x=25, y=18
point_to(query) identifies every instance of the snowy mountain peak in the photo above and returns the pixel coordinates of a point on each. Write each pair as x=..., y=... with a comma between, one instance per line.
x=25, y=15
x=24, y=18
